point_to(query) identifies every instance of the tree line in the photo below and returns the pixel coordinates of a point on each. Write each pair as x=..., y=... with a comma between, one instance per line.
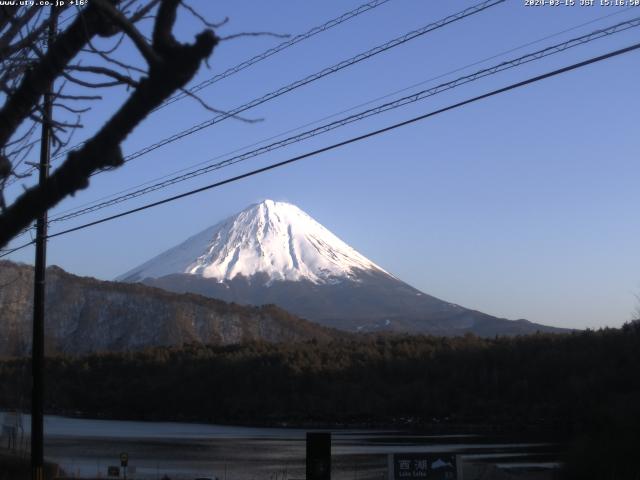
x=583, y=386
x=551, y=380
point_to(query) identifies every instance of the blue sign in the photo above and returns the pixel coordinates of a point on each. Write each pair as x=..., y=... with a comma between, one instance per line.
x=422, y=466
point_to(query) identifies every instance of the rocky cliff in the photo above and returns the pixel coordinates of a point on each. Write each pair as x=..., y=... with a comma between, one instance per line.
x=85, y=314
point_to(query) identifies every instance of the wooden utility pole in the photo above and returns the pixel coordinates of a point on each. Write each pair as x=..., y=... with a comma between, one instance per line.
x=37, y=348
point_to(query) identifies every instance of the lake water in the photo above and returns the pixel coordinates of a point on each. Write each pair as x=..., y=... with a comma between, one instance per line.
x=85, y=447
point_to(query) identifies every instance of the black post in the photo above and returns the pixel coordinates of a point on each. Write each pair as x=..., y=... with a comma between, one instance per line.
x=318, y=456
x=37, y=348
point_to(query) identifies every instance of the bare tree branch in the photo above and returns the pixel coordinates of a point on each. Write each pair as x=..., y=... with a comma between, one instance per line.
x=216, y=110
x=87, y=84
x=105, y=71
x=21, y=138
x=204, y=21
x=7, y=50
x=78, y=97
x=129, y=28
x=106, y=56
x=34, y=81
x=17, y=23
x=5, y=16
x=177, y=64
x=71, y=109
x=142, y=12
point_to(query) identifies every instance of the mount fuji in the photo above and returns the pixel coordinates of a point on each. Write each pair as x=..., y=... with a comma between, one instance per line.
x=275, y=240
x=274, y=253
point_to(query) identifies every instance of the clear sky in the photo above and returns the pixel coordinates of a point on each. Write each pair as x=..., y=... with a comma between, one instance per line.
x=523, y=205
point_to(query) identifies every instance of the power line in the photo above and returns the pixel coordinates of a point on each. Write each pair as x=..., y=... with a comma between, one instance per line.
x=334, y=146
x=310, y=78
x=350, y=109
x=253, y=60
x=506, y=65
x=278, y=48
x=9, y=251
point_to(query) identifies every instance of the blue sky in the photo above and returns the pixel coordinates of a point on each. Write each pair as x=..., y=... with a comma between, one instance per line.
x=522, y=206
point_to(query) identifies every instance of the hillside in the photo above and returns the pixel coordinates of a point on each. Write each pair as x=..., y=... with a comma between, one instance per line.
x=85, y=315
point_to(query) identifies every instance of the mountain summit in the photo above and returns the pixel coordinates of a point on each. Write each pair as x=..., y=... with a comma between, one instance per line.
x=273, y=252
x=275, y=239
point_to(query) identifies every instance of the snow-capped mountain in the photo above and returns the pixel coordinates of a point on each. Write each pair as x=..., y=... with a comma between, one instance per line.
x=274, y=253
x=275, y=239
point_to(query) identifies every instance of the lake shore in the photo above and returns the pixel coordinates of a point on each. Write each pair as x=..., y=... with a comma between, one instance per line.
x=87, y=447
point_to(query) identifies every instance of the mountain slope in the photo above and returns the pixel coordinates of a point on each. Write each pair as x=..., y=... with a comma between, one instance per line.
x=371, y=304
x=85, y=314
x=273, y=252
x=272, y=238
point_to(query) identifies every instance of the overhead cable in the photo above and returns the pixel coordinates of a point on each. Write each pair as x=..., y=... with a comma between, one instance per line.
x=421, y=95
x=334, y=146
x=308, y=79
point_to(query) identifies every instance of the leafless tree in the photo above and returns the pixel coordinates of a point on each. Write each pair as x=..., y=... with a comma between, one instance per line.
x=82, y=67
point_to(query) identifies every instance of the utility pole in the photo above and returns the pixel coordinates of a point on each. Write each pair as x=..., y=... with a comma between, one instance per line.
x=37, y=348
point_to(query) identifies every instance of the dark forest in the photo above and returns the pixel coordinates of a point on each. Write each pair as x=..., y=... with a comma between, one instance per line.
x=582, y=388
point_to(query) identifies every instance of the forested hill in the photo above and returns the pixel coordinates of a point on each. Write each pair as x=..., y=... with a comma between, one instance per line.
x=558, y=382
x=582, y=389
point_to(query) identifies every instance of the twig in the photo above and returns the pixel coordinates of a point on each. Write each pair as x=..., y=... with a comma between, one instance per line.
x=204, y=21
x=132, y=32
x=105, y=71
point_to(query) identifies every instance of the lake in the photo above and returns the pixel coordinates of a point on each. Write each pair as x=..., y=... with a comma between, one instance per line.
x=85, y=447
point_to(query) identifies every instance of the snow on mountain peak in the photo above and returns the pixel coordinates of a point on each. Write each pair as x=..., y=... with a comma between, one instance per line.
x=273, y=238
